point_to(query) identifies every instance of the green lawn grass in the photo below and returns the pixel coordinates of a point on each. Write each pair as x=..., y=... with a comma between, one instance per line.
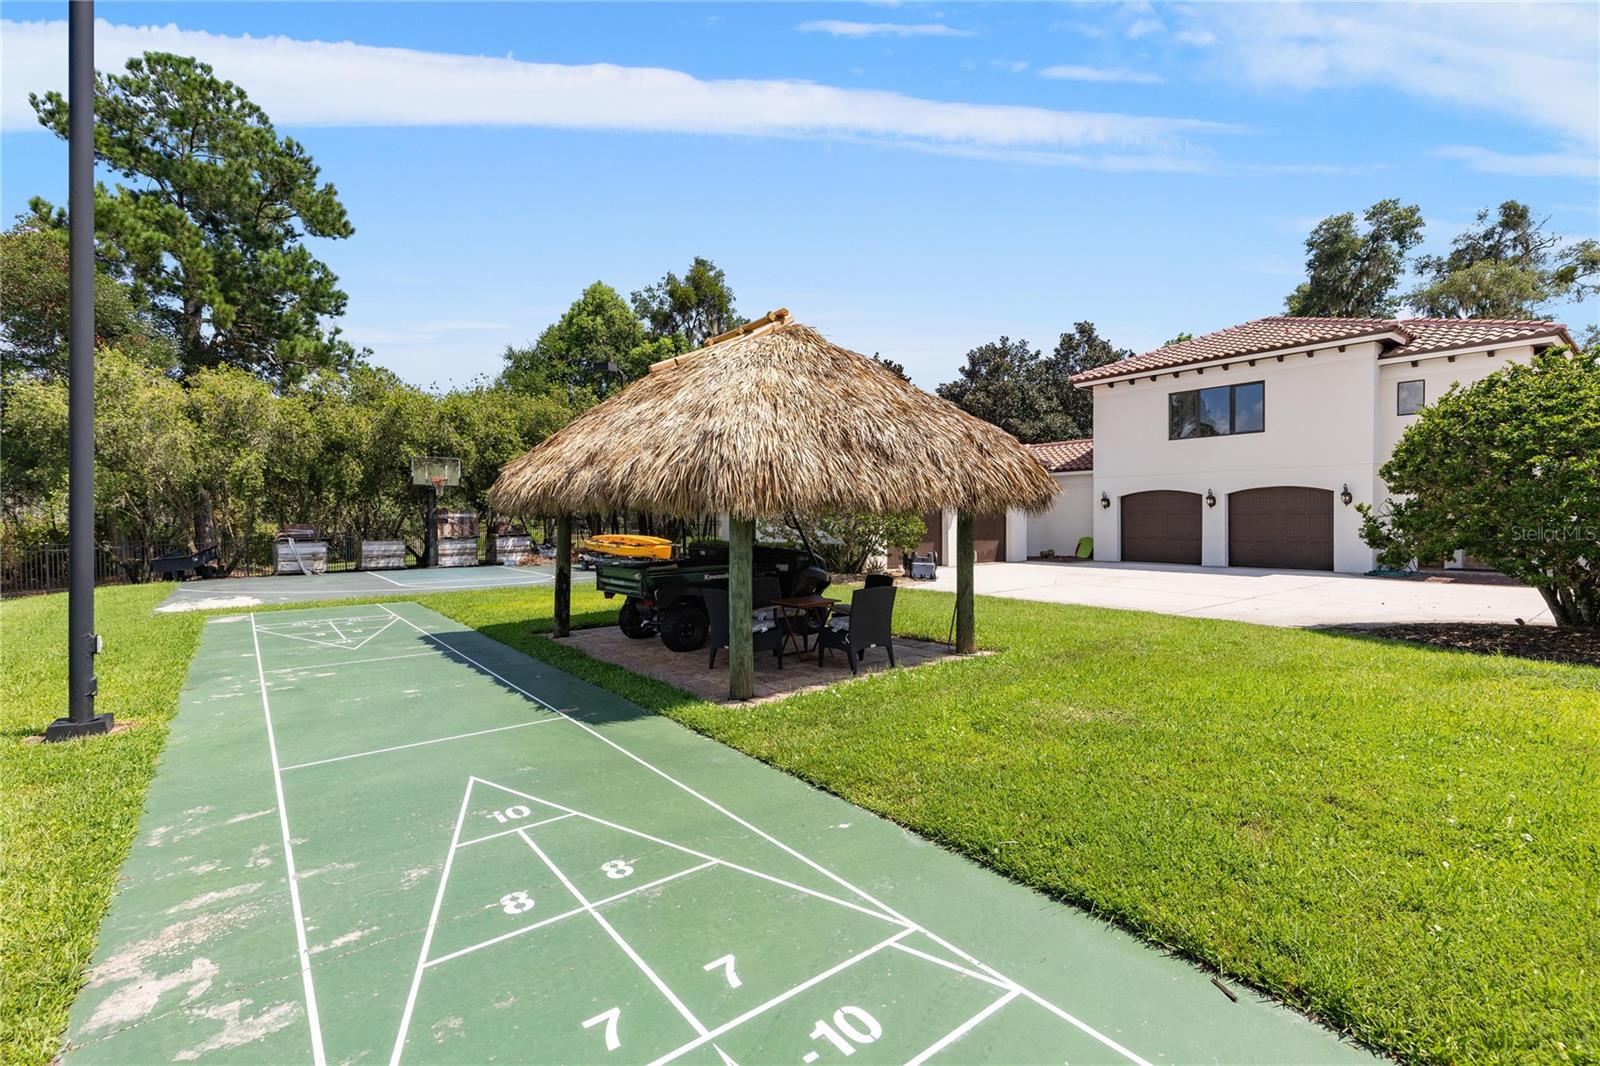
x=71, y=809
x=1401, y=841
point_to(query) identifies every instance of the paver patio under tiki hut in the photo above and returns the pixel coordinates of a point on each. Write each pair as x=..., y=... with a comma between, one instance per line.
x=767, y=421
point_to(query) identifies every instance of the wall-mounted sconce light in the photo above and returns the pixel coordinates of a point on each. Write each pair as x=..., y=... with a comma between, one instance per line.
x=1346, y=497
x=1211, y=498
x=1105, y=501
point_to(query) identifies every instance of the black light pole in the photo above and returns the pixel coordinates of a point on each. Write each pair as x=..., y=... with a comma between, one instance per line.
x=82, y=641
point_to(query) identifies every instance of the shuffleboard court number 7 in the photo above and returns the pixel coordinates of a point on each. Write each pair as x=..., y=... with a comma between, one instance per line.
x=726, y=964
x=610, y=1019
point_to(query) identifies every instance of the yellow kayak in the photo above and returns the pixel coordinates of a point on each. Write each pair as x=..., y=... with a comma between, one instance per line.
x=629, y=546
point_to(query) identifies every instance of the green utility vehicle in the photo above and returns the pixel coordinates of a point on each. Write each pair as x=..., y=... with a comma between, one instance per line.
x=665, y=597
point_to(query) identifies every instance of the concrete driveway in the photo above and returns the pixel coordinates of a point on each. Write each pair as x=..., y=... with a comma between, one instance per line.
x=1267, y=597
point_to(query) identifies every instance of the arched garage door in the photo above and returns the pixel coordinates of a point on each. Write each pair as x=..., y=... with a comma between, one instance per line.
x=1285, y=527
x=1161, y=527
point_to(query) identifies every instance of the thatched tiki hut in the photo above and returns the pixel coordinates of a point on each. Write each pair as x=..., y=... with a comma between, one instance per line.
x=767, y=421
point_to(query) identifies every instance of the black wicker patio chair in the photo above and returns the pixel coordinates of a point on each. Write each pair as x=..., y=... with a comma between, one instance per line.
x=868, y=625
x=769, y=638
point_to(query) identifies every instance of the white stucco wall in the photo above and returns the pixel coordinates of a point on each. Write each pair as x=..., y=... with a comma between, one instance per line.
x=1070, y=517
x=1330, y=420
x=1437, y=375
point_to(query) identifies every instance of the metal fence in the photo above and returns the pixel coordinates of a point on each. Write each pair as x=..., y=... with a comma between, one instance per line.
x=30, y=568
x=43, y=567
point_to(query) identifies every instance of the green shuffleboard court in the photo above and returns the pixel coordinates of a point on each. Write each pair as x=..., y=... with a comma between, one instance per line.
x=378, y=836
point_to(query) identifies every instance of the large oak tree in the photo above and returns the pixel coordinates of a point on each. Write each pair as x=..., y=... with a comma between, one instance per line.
x=210, y=219
x=1353, y=271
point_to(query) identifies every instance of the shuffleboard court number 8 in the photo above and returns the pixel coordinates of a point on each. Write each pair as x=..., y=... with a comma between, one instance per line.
x=516, y=903
x=616, y=869
x=510, y=814
x=851, y=1026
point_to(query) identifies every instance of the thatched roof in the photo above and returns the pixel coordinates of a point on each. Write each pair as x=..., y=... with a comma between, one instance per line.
x=771, y=420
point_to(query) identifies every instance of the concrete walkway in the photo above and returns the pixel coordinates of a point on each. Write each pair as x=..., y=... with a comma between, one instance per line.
x=1267, y=597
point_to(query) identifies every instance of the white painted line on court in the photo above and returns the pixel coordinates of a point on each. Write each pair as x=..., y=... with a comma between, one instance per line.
x=780, y=998
x=564, y=914
x=963, y=1029
x=947, y=964
x=1086, y=1028
x=313, y=1020
x=492, y=941
x=427, y=936
x=652, y=884
x=702, y=855
x=306, y=623
x=420, y=743
x=942, y=942
x=354, y=662
x=508, y=832
x=644, y=967
x=343, y=644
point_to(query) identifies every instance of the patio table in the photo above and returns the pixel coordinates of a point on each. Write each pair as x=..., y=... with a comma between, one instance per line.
x=796, y=607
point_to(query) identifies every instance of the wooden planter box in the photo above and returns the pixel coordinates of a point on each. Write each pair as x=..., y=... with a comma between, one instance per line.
x=313, y=553
x=383, y=555
x=511, y=550
x=456, y=524
x=458, y=551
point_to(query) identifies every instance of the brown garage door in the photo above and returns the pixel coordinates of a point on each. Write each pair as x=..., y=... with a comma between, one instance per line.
x=1285, y=527
x=989, y=538
x=1161, y=527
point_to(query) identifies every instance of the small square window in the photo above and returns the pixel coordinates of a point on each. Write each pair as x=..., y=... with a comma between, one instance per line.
x=1409, y=397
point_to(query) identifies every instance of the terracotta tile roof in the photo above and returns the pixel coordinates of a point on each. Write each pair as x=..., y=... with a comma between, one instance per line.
x=1414, y=336
x=1065, y=456
x=1430, y=335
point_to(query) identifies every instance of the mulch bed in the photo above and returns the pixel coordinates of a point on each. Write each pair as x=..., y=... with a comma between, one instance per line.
x=1495, y=638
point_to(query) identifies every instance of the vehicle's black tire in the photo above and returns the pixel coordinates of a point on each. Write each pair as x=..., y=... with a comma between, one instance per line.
x=632, y=622
x=684, y=626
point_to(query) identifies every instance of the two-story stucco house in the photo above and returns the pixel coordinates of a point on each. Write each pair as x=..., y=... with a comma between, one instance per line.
x=1251, y=446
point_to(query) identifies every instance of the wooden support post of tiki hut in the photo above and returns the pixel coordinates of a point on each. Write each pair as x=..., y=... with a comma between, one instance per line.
x=772, y=420
x=741, y=602
x=563, y=611
x=966, y=556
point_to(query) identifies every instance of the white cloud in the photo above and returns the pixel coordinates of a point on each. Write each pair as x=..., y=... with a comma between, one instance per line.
x=1145, y=27
x=841, y=28
x=314, y=83
x=1198, y=38
x=1063, y=72
x=1538, y=63
x=1577, y=163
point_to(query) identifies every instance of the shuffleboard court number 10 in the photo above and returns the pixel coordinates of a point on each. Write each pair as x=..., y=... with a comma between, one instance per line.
x=852, y=1027
x=510, y=814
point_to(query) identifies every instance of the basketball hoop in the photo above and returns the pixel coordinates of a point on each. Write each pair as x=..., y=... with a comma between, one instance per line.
x=438, y=471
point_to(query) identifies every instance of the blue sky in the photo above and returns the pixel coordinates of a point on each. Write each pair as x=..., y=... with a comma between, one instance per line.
x=911, y=179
